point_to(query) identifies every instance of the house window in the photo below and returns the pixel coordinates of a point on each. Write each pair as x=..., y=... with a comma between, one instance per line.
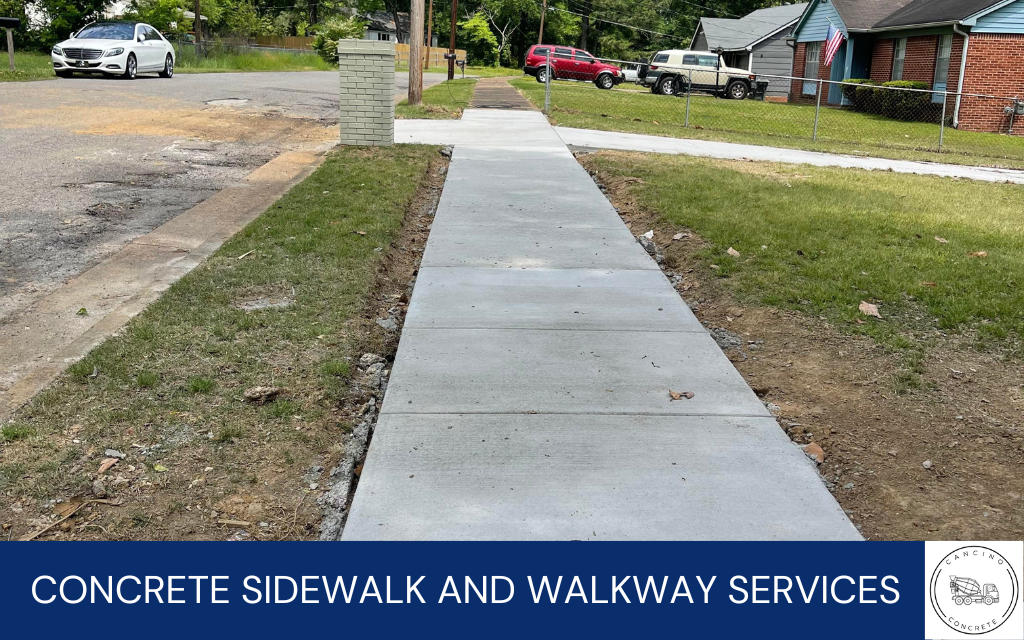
x=812, y=56
x=941, y=82
x=384, y=36
x=898, y=58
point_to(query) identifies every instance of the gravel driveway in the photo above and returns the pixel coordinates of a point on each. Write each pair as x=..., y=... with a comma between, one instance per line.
x=92, y=163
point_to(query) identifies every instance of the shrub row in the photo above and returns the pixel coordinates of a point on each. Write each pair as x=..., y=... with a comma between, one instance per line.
x=870, y=96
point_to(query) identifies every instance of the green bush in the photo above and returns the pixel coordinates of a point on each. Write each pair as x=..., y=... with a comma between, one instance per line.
x=328, y=32
x=864, y=96
x=906, y=105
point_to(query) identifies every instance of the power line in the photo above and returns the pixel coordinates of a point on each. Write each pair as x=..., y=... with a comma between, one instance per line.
x=620, y=24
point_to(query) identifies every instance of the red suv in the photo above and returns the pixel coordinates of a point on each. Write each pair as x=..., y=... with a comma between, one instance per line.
x=570, y=64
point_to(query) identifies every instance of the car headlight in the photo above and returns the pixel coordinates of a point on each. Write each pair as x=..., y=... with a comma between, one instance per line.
x=57, y=50
x=114, y=52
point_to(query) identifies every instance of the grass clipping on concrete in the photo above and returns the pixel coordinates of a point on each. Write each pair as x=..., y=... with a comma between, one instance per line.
x=286, y=303
x=443, y=101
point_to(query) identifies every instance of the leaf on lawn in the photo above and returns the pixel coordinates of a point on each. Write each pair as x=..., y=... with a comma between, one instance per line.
x=942, y=240
x=859, y=321
x=677, y=395
x=927, y=283
x=655, y=122
x=159, y=468
x=869, y=309
x=106, y=464
x=732, y=252
x=679, y=236
x=977, y=254
x=64, y=509
x=359, y=233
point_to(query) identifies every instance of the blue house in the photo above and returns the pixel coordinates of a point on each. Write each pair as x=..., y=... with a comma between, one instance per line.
x=954, y=46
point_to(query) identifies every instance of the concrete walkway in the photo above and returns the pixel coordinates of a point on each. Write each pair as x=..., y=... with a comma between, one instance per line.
x=529, y=399
x=457, y=131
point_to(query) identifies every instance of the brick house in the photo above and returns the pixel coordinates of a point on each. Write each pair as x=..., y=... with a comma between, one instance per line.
x=959, y=46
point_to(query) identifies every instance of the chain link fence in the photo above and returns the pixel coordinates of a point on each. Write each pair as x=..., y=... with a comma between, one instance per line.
x=781, y=110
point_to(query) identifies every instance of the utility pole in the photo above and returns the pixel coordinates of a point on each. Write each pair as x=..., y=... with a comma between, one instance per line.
x=451, y=43
x=543, y=11
x=415, y=52
x=430, y=33
x=197, y=24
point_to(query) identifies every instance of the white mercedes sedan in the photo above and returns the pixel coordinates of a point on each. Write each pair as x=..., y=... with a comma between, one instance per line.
x=114, y=48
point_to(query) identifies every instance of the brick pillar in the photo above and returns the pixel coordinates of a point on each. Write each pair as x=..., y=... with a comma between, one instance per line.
x=367, y=69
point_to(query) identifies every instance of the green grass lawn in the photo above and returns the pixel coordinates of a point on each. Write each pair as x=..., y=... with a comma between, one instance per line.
x=821, y=240
x=37, y=66
x=443, y=101
x=27, y=66
x=767, y=123
x=217, y=61
x=172, y=382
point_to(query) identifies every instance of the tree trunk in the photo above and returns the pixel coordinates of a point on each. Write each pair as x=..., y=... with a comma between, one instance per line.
x=585, y=24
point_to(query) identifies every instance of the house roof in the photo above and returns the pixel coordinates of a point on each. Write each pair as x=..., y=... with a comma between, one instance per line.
x=740, y=33
x=384, y=21
x=935, y=11
x=862, y=15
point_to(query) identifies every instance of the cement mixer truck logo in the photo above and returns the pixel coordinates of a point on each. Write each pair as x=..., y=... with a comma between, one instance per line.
x=974, y=590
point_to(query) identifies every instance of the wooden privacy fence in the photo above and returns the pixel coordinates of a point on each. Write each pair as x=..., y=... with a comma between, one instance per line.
x=285, y=42
x=435, y=55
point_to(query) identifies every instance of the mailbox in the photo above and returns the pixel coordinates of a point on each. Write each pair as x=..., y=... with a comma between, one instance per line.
x=9, y=23
x=449, y=56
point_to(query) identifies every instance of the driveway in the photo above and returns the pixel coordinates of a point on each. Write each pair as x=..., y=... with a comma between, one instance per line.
x=93, y=162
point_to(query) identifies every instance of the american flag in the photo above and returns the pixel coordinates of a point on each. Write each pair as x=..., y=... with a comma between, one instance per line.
x=832, y=43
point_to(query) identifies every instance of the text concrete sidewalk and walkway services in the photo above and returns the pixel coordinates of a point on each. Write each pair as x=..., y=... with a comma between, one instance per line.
x=529, y=398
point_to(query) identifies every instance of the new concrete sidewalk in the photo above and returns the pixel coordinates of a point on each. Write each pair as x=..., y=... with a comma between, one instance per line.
x=529, y=399
x=458, y=131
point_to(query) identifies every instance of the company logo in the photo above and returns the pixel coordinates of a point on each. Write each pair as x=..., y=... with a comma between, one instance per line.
x=974, y=590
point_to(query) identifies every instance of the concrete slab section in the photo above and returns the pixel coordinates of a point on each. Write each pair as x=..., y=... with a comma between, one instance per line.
x=534, y=248
x=587, y=477
x=584, y=299
x=732, y=151
x=521, y=371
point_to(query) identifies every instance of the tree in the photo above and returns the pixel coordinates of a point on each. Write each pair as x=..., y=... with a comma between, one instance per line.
x=497, y=12
x=65, y=16
x=325, y=42
x=162, y=14
x=476, y=38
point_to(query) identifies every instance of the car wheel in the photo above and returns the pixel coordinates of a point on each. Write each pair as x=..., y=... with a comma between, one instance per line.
x=667, y=87
x=737, y=91
x=605, y=81
x=168, y=71
x=131, y=68
x=64, y=74
x=542, y=74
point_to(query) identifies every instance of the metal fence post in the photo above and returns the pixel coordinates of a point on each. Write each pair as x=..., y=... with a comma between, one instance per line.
x=689, y=83
x=547, y=84
x=942, y=122
x=817, y=112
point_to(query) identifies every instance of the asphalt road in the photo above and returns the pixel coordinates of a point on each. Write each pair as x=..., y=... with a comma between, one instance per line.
x=92, y=163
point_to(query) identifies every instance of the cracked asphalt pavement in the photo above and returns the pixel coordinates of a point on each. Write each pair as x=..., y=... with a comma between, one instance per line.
x=92, y=163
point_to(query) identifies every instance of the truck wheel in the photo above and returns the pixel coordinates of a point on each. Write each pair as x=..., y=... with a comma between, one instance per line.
x=968, y=600
x=667, y=87
x=988, y=599
x=542, y=74
x=737, y=90
x=605, y=81
x=958, y=600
